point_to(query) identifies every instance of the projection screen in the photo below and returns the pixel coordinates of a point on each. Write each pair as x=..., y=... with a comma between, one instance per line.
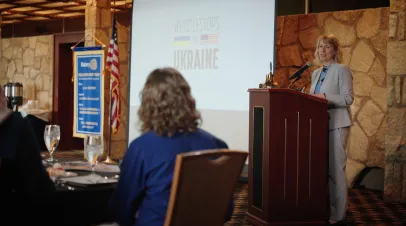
x=222, y=47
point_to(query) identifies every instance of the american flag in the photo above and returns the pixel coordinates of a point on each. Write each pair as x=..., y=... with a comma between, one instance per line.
x=112, y=63
x=209, y=39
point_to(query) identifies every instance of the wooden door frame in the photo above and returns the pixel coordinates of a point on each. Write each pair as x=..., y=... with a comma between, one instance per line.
x=73, y=37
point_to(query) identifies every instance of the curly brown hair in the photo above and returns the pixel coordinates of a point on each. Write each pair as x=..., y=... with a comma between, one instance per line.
x=167, y=105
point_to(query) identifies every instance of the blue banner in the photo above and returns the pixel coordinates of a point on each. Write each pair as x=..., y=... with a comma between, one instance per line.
x=88, y=64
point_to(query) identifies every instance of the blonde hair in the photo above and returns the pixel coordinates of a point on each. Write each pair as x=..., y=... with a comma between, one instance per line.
x=332, y=40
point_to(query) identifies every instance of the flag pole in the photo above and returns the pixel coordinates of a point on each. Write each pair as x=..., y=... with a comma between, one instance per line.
x=108, y=159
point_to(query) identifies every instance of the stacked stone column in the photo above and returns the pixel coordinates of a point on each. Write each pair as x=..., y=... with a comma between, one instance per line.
x=395, y=161
x=98, y=24
x=0, y=40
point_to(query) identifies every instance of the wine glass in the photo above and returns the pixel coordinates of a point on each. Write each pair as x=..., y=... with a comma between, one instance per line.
x=94, y=148
x=52, y=135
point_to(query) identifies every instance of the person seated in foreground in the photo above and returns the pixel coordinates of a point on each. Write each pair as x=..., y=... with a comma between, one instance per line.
x=169, y=122
x=24, y=180
x=21, y=168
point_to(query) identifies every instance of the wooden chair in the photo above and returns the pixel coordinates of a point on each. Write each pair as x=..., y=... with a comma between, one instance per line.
x=203, y=186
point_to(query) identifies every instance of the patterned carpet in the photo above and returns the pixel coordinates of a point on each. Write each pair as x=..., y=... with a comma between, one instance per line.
x=365, y=207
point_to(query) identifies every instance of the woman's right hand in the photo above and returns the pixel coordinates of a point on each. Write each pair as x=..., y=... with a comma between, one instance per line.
x=319, y=95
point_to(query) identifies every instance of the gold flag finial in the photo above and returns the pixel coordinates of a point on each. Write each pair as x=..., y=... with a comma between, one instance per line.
x=269, y=82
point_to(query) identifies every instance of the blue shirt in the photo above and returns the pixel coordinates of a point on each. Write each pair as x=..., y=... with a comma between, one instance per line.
x=321, y=79
x=146, y=175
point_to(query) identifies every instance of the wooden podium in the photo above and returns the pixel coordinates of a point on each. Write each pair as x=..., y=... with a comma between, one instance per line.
x=288, y=160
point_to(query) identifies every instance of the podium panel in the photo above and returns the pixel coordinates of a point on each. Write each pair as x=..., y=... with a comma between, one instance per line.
x=288, y=163
x=257, y=156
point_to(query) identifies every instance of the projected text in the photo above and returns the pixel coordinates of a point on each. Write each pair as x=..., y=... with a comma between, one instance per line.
x=196, y=44
x=196, y=59
x=208, y=24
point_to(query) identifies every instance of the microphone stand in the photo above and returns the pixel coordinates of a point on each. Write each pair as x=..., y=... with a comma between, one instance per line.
x=297, y=78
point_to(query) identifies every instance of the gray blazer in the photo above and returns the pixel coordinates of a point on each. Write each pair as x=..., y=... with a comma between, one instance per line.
x=337, y=87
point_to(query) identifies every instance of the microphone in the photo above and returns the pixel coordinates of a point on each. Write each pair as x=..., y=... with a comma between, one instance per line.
x=299, y=72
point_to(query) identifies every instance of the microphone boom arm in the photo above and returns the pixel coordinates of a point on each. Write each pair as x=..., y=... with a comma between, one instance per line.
x=297, y=78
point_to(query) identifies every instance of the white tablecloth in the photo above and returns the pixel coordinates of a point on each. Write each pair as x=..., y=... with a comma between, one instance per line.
x=42, y=114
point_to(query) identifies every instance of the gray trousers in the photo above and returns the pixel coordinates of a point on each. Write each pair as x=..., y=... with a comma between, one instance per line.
x=337, y=178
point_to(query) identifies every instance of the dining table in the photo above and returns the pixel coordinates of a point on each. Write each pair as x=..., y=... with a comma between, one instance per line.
x=81, y=204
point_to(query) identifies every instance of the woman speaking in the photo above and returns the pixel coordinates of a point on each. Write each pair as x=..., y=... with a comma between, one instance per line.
x=333, y=82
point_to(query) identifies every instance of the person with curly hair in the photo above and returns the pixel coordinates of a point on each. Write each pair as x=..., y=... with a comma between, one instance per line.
x=169, y=125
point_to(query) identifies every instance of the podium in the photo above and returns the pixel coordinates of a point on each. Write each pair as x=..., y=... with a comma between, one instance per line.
x=288, y=160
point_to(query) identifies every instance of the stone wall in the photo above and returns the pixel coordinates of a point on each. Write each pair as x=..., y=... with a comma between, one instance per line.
x=29, y=60
x=395, y=172
x=363, y=35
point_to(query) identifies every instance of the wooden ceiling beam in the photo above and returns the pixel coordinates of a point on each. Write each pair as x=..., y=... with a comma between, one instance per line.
x=18, y=5
x=39, y=5
x=11, y=10
x=29, y=14
x=81, y=3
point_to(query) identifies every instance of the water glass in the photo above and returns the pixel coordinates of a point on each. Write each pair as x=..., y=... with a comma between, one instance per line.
x=52, y=135
x=94, y=148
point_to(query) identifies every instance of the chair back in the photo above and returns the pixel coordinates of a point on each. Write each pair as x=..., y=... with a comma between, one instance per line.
x=203, y=187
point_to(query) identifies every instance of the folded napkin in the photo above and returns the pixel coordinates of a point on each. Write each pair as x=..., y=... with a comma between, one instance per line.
x=90, y=179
